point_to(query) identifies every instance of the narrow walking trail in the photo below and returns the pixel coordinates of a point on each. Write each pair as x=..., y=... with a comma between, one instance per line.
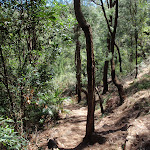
x=69, y=131
x=126, y=128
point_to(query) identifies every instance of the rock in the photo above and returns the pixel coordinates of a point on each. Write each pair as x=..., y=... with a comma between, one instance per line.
x=52, y=144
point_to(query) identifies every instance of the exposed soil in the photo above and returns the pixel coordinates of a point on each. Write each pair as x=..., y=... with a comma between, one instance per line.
x=123, y=128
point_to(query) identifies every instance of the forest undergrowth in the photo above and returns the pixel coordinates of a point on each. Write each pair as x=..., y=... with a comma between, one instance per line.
x=126, y=127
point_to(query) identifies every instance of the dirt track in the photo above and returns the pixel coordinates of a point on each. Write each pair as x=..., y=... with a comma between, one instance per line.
x=127, y=126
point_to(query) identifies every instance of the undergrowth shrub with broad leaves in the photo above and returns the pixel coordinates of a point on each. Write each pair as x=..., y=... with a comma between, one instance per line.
x=9, y=139
x=46, y=107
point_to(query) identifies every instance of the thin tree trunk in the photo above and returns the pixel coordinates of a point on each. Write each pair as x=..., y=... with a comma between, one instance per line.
x=100, y=101
x=109, y=23
x=112, y=43
x=136, y=55
x=7, y=86
x=133, y=13
x=105, y=79
x=105, y=73
x=33, y=26
x=114, y=78
x=120, y=61
x=90, y=69
x=78, y=63
x=136, y=38
x=76, y=70
x=117, y=82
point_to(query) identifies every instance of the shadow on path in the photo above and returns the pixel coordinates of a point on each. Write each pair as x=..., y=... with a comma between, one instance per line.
x=96, y=138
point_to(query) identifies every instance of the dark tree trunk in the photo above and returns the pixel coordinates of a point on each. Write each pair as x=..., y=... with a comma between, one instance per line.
x=136, y=38
x=136, y=55
x=109, y=23
x=105, y=80
x=75, y=62
x=76, y=70
x=78, y=63
x=105, y=73
x=33, y=25
x=120, y=61
x=114, y=77
x=117, y=82
x=6, y=83
x=90, y=69
x=112, y=44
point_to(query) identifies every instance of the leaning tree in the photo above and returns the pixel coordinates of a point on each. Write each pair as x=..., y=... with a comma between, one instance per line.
x=90, y=68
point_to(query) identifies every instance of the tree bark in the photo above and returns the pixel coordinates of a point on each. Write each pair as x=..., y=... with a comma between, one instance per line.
x=112, y=43
x=105, y=79
x=105, y=73
x=116, y=82
x=114, y=77
x=90, y=69
x=136, y=53
x=78, y=63
x=120, y=60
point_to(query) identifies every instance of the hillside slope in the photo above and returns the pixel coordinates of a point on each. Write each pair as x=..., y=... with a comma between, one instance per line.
x=126, y=128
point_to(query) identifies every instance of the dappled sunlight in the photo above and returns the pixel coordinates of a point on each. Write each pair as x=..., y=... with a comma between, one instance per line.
x=74, y=75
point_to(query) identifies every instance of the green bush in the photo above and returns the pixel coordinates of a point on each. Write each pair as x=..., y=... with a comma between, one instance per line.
x=9, y=139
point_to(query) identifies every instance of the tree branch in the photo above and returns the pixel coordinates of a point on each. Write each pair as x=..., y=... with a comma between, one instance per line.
x=95, y=2
x=116, y=18
x=100, y=100
x=119, y=56
x=102, y=5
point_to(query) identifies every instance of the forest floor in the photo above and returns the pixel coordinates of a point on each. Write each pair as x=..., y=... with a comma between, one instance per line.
x=126, y=127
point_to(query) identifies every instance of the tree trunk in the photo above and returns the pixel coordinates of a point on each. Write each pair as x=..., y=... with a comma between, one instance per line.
x=117, y=82
x=114, y=78
x=120, y=61
x=78, y=63
x=112, y=43
x=105, y=80
x=133, y=13
x=136, y=37
x=136, y=55
x=7, y=87
x=100, y=100
x=90, y=69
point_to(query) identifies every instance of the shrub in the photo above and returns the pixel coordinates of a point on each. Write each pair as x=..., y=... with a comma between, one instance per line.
x=9, y=139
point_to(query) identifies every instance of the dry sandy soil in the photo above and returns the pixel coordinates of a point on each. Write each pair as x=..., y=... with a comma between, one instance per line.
x=123, y=128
